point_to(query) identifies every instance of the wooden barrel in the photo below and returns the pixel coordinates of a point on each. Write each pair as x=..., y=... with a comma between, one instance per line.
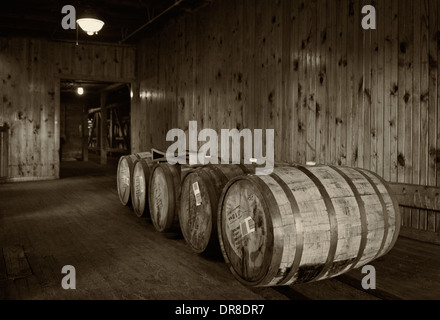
x=303, y=224
x=124, y=175
x=139, y=186
x=164, y=195
x=201, y=191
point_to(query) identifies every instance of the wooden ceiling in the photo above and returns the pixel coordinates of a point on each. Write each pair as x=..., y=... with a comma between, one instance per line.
x=42, y=18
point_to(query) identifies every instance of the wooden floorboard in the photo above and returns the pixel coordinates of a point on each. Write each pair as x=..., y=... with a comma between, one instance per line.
x=16, y=262
x=410, y=271
x=79, y=221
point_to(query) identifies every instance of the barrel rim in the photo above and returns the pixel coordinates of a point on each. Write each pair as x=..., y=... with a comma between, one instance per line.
x=213, y=200
x=145, y=167
x=398, y=217
x=171, y=195
x=273, y=242
x=124, y=202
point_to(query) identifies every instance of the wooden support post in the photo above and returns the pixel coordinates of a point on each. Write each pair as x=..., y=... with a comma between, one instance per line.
x=4, y=151
x=111, y=129
x=85, y=136
x=121, y=128
x=103, y=128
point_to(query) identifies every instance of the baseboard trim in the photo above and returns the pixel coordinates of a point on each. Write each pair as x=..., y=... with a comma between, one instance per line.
x=26, y=179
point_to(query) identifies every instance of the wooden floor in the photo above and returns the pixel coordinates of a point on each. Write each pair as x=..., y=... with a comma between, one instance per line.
x=79, y=221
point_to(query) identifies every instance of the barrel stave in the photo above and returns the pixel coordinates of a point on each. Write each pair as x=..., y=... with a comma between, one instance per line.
x=139, y=186
x=198, y=217
x=164, y=197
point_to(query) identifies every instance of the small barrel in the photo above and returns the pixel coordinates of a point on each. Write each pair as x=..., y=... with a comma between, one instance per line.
x=199, y=198
x=302, y=224
x=164, y=195
x=124, y=175
x=139, y=186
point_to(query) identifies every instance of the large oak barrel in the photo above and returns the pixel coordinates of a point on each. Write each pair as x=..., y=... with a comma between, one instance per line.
x=139, y=186
x=124, y=175
x=201, y=191
x=164, y=195
x=305, y=223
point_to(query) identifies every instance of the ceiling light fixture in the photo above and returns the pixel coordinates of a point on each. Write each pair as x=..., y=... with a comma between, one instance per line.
x=89, y=20
x=80, y=91
x=90, y=25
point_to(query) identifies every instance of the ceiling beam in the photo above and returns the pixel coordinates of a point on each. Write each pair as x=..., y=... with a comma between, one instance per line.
x=151, y=21
x=114, y=86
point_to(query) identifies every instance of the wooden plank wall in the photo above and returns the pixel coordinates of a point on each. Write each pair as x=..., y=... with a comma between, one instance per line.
x=334, y=92
x=30, y=71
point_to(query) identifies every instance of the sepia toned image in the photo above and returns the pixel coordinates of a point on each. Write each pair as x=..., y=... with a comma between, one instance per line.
x=220, y=156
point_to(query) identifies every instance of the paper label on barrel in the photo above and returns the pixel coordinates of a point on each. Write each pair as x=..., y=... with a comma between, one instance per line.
x=197, y=194
x=235, y=236
x=247, y=226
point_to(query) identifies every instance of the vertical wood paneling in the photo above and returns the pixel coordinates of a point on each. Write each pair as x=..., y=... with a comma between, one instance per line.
x=330, y=107
x=378, y=110
x=248, y=61
x=392, y=89
x=433, y=92
x=30, y=73
x=311, y=60
x=351, y=80
x=341, y=74
x=415, y=119
x=401, y=92
x=424, y=102
x=432, y=105
x=286, y=149
x=408, y=48
x=321, y=83
x=293, y=92
x=334, y=92
x=303, y=43
x=358, y=89
x=367, y=99
x=437, y=153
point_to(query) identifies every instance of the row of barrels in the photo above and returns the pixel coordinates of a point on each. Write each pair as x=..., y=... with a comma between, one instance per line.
x=299, y=224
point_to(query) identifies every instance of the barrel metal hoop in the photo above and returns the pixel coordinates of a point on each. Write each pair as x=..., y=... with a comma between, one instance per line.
x=214, y=199
x=384, y=210
x=146, y=168
x=273, y=223
x=332, y=220
x=363, y=217
x=299, y=235
x=397, y=215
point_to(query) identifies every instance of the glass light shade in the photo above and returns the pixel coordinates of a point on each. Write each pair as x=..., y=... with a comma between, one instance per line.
x=90, y=25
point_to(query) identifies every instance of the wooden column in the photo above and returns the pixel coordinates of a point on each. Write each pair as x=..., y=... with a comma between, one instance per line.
x=103, y=128
x=4, y=151
x=85, y=135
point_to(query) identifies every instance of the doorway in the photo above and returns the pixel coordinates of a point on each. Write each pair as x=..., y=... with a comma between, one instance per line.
x=94, y=124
